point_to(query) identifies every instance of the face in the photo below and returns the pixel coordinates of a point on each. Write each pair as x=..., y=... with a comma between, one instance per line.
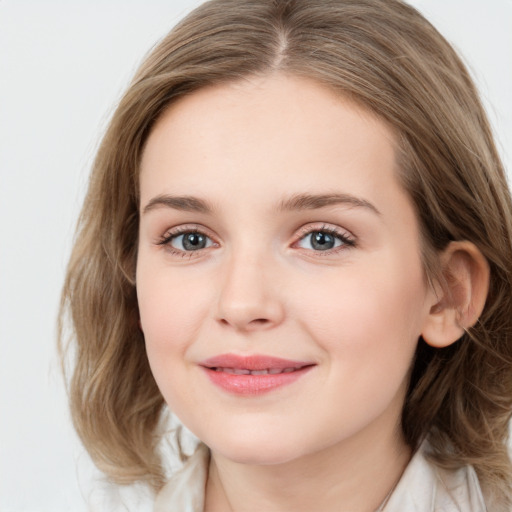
x=279, y=275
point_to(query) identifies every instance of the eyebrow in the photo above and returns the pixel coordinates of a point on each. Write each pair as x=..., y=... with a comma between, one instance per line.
x=184, y=203
x=316, y=201
x=296, y=202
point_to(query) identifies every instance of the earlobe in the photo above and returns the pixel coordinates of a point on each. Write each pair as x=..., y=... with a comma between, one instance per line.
x=459, y=299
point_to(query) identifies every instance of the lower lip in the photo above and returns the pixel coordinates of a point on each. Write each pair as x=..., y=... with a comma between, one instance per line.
x=254, y=384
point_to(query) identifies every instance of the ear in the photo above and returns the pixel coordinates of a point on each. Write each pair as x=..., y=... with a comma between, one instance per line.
x=459, y=299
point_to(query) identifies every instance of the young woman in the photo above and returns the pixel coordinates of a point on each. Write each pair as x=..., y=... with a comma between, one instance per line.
x=298, y=237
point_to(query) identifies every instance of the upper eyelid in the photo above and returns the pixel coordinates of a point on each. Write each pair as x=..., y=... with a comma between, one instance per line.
x=322, y=226
x=305, y=229
x=188, y=228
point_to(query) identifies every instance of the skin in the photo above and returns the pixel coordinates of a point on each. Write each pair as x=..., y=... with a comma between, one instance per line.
x=260, y=287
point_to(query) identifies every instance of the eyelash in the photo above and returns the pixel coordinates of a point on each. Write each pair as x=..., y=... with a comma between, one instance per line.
x=346, y=240
x=175, y=233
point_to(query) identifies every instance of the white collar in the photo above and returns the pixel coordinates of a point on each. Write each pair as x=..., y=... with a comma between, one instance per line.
x=423, y=487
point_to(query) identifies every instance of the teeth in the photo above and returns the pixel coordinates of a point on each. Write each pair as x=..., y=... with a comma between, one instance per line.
x=243, y=371
x=235, y=371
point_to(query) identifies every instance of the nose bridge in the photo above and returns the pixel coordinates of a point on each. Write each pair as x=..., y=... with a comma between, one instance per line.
x=248, y=296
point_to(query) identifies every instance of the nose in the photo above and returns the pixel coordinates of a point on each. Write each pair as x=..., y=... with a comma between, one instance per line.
x=249, y=297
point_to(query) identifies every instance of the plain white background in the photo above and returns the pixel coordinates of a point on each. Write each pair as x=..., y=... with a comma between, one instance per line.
x=63, y=65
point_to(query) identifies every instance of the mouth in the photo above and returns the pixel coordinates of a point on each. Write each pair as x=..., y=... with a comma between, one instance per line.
x=245, y=371
x=253, y=375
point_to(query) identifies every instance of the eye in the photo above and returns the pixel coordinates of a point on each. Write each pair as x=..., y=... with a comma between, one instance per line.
x=185, y=240
x=324, y=240
x=189, y=241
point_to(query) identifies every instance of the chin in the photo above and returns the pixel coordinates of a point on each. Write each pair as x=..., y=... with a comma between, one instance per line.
x=257, y=449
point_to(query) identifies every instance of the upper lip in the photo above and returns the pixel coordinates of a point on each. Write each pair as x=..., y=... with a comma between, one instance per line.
x=252, y=362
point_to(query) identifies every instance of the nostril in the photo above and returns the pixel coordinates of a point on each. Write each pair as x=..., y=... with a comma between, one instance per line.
x=252, y=324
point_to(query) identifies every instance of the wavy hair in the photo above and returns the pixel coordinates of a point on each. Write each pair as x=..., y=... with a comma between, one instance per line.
x=385, y=56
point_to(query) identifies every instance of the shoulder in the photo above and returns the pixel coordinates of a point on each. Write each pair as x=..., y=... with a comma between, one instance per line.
x=184, y=492
x=425, y=487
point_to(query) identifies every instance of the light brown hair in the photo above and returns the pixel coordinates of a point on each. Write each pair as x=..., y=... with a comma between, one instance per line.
x=385, y=56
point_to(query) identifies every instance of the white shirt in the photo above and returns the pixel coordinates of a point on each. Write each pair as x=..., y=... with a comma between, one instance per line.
x=423, y=487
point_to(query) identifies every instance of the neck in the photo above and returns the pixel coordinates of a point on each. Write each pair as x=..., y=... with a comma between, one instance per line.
x=358, y=474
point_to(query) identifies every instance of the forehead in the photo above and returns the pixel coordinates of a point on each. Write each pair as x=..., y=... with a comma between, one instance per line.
x=267, y=134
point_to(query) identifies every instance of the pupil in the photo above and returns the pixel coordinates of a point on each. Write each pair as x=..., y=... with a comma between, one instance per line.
x=194, y=241
x=322, y=241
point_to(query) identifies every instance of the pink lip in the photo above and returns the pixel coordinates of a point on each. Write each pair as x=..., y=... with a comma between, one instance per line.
x=232, y=372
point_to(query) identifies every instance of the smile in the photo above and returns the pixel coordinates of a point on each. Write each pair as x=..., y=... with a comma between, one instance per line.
x=253, y=375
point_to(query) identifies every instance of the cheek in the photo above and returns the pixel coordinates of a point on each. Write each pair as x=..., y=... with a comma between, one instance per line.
x=368, y=314
x=170, y=312
x=170, y=318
